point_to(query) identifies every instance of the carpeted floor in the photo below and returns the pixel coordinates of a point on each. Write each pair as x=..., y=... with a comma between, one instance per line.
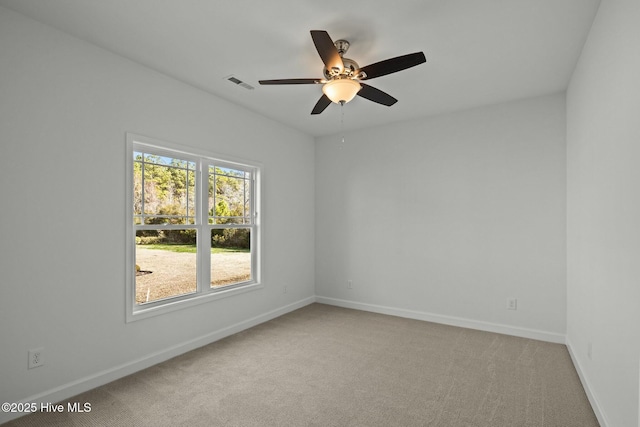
x=329, y=366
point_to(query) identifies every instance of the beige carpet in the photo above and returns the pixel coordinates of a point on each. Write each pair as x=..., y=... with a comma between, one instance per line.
x=328, y=366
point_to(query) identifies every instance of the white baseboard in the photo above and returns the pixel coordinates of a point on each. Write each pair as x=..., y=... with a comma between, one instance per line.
x=447, y=320
x=81, y=385
x=602, y=419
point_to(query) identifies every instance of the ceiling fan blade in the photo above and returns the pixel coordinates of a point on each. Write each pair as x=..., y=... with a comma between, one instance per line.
x=322, y=103
x=376, y=95
x=290, y=81
x=327, y=50
x=392, y=65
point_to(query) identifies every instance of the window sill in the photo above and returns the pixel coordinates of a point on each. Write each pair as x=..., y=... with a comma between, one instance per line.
x=169, y=306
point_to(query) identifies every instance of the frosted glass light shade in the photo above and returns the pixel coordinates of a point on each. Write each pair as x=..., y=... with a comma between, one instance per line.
x=341, y=90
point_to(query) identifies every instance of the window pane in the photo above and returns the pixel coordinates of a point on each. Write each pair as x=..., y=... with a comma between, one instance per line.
x=165, y=264
x=229, y=194
x=230, y=256
x=164, y=190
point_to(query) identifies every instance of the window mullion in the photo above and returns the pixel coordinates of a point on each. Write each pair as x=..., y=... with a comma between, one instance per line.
x=204, y=238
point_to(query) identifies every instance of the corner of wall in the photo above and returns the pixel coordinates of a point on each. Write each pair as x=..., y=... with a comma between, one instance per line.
x=597, y=409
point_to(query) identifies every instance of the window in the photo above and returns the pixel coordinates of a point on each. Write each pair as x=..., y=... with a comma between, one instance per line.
x=192, y=227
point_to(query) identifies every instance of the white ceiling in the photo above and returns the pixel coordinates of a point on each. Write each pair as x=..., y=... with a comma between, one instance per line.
x=478, y=52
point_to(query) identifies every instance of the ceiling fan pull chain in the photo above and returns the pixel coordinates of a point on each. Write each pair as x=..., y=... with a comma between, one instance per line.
x=342, y=121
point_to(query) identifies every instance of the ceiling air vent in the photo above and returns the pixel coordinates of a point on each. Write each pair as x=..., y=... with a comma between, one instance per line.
x=239, y=82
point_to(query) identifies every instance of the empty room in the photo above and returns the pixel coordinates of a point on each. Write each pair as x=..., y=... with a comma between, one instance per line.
x=414, y=213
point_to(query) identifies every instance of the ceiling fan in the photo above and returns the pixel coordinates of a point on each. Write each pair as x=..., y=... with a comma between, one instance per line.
x=343, y=76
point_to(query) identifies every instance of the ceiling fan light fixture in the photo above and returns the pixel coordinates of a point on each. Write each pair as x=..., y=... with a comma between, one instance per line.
x=341, y=90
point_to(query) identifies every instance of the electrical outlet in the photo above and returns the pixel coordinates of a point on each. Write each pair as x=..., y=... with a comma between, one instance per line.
x=512, y=303
x=36, y=357
x=284, y=289
x=349, y=284
x=589, y=350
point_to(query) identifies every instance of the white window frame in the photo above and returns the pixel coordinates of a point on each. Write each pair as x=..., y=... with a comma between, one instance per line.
x=204, y=292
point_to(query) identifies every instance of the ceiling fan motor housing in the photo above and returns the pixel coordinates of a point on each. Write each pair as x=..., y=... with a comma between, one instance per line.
x=350, y=66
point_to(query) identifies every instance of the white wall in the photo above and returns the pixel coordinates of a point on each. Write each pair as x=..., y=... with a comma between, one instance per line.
x=441, y=218
x=65, y=106
x=603, y=139
x=444, y=218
